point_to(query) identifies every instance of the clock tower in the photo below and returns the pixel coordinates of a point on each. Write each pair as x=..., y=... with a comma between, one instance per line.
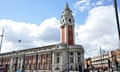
x=67, y=26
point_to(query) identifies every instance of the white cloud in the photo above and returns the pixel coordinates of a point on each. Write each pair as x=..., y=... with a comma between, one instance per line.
x=32, y=35
x=50, y=29
x=99, y=30
x=86, y=5
x=83, y=5
x=100, y=2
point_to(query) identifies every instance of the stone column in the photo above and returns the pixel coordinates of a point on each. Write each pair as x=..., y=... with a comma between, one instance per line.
x=22, y=62
x=65, y=59
x=53, y=61
x=18, y=64
x=75, y=59
x=82, y=61
x=36, y=61
x=11, y=64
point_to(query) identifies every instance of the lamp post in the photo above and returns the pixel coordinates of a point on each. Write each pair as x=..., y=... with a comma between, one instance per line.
x=1, y=39
x=101, y=57
x=36, y=61
x=2, y=61
x=117, y=19
x=23, y=66
x=17, y=58
x=109, y=65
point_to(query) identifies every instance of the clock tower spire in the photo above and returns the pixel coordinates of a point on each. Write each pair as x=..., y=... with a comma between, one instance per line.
x=67, y=26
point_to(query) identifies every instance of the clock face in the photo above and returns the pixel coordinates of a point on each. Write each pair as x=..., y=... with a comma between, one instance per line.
x=66, y=12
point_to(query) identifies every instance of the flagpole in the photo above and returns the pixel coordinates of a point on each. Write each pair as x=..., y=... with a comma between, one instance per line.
x=117, y=20
x=1, y=39
x=101, y=55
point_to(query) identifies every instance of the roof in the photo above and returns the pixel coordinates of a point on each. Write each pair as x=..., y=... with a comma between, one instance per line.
x=30, y=49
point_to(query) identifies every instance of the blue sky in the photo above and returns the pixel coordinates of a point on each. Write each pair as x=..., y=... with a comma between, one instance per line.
x=36, y=23
x=35, y=11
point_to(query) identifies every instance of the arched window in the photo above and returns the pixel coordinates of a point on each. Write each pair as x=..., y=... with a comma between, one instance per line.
x=70, y=20
x=63, y=20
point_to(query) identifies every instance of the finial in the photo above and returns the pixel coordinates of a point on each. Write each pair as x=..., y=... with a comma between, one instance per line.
x=67, y=6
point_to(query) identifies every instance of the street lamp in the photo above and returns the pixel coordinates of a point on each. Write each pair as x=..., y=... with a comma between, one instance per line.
x=1, y=39
x=23, y=65
x=101, y=57
x=117, y=20
x=17, y=58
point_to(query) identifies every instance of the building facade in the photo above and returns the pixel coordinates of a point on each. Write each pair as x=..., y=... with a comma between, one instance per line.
x=62, y=57
x=107, y=62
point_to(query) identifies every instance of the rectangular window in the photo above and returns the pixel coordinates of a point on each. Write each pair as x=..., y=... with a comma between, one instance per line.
x=39, y=66
x=71, y=57
x=71, y=68
x=44, y=59
x=44, y=67
x=71, y=53
x=79, y=58
x=78, y=53
x=57, y=58
x=39, y=59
